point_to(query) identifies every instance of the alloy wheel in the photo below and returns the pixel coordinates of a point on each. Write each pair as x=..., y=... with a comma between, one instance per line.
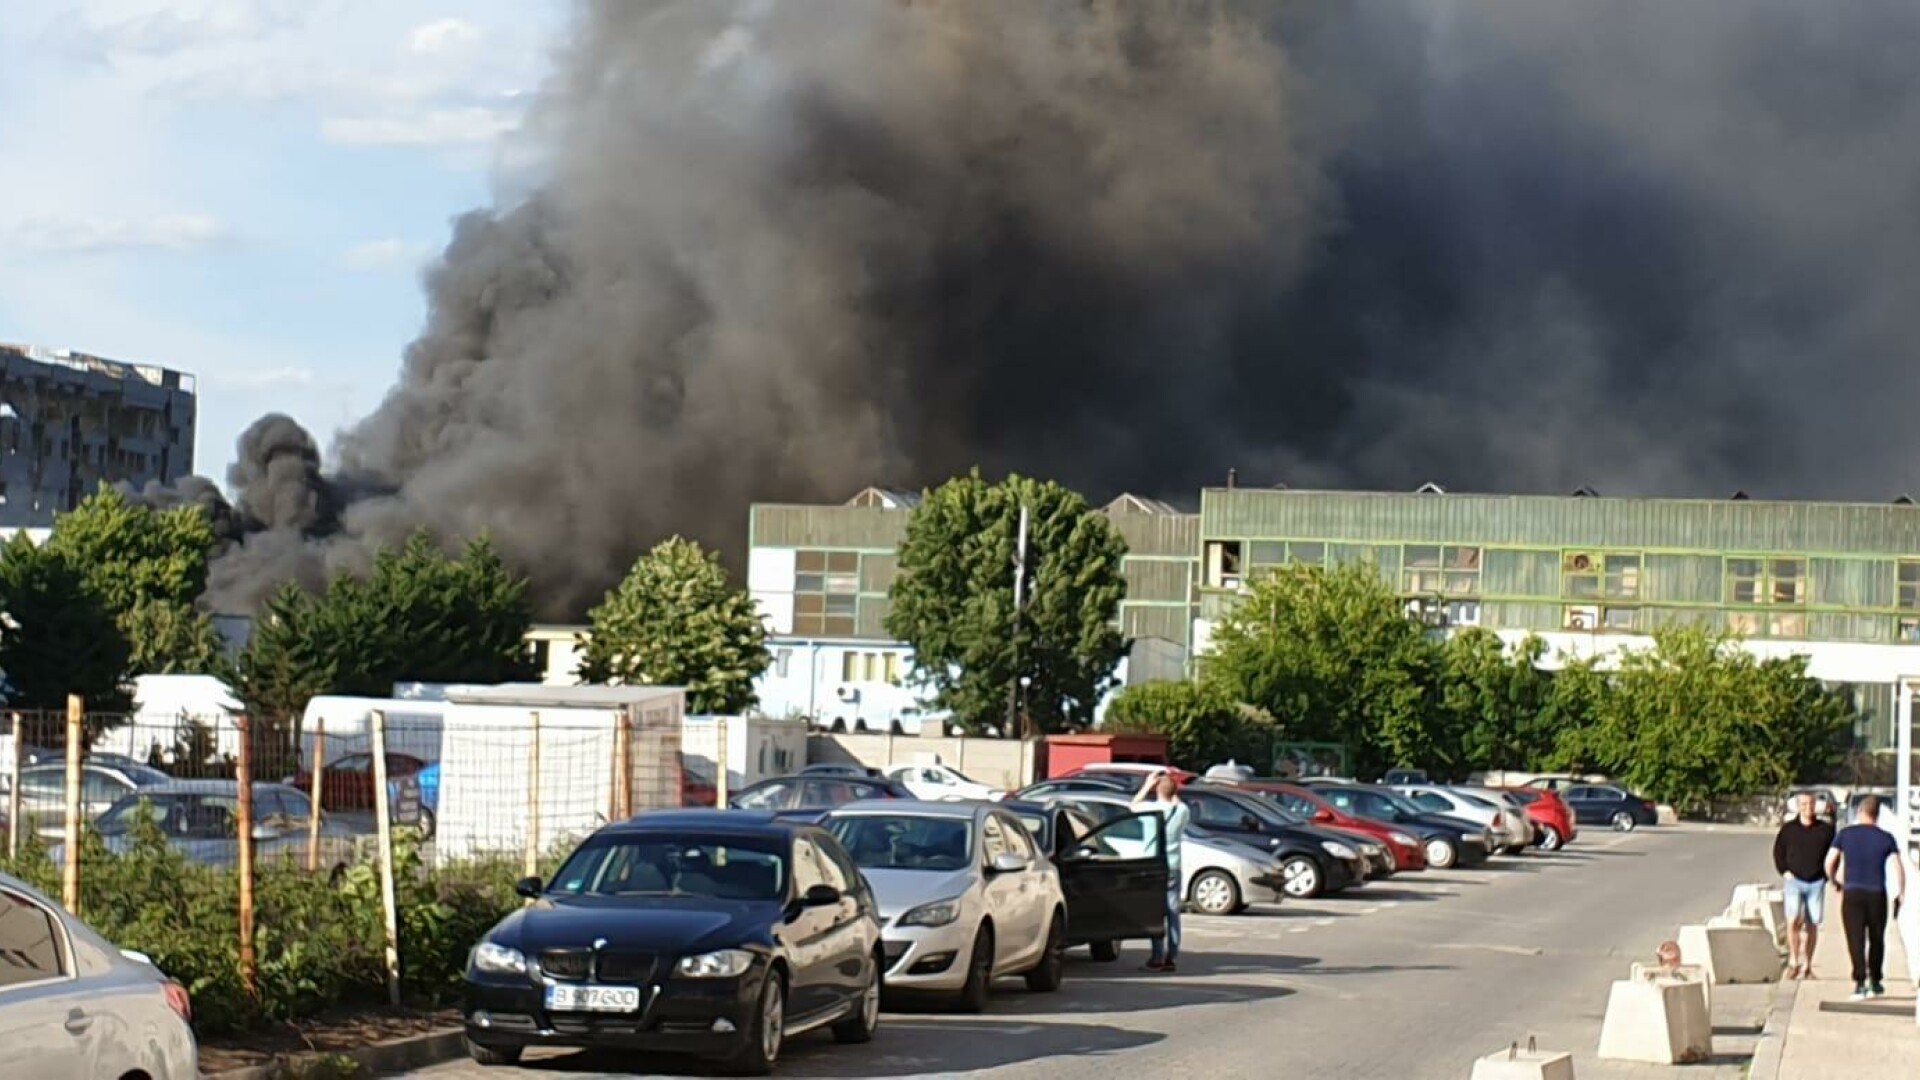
x=773, y=1020
x=1300, y=878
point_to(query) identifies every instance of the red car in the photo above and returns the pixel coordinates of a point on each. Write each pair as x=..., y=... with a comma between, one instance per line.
x=348, y=783
x=1407, y=851
x=1550, y=814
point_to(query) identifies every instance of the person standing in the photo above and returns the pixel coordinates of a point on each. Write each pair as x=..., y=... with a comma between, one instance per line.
x=1799, y=857
x=1857, y=866
x=1161, y=794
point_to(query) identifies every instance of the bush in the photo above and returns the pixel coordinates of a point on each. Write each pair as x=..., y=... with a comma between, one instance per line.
x=1203, y=725
x=319, y=944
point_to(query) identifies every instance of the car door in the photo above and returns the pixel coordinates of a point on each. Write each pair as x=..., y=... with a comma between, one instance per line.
x=1035, y=898
x=1580, y=801
x=809, y=935
x=852, y=944
x=46, y=1025
x=1002, y=894
x=1115, y=879
x=1220, y=815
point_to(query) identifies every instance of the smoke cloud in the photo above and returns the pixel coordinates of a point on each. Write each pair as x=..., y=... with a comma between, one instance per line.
x=782, y=251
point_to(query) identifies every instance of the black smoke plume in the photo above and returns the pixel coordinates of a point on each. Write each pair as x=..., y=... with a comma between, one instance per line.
x=778, y=251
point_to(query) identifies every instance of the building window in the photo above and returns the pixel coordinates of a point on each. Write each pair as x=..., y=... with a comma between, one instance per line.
x=1909, y=597
x=1463, y=613
x=1587, y=575
x=849, y=667
x=1757, y=581
x=1617, y=618
x=1908, y=630
x=1268, y=553
x=1223, y=564
x=781, y=659
x=893, y=669
x=826, y=586
x=1429, y=569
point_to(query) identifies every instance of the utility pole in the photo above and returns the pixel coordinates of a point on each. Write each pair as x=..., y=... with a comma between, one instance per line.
x=1014, y=725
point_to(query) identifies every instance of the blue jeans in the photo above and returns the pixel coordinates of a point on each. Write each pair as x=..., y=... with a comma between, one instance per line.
x=1167, y=949
x=1808, y=897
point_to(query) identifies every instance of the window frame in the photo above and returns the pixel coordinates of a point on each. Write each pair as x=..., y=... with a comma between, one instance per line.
x=826, y=592
x=63, y=954
x=1765, y=580
x=1454, y=570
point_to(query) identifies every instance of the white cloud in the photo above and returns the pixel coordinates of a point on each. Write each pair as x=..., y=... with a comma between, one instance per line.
x=158, y=30
x=433, y=127
x=443, y=35
x=389, y=254
x=87, y=236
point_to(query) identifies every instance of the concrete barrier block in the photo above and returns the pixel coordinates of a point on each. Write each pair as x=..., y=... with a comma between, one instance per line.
x=1754, y=895
x=1517, y=1063
x=1663, y=1021
x=1738, y=953
x=1693, y=973
x=1665, y=814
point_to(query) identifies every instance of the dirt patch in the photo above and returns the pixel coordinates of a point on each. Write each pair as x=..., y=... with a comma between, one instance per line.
x=328, y=1033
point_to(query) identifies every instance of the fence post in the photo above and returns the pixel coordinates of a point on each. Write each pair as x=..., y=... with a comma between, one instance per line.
x=383, y=822
x=720, y=762
x=243, y=777
x=623, y=762
x=319, y=765
x=533, y=801
x=76, y=745
x=13, y=787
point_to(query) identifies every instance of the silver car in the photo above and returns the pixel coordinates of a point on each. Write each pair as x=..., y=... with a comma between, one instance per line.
x=1509, y=827
x=74, y=1007
x=1219, y=875
x=200, y=819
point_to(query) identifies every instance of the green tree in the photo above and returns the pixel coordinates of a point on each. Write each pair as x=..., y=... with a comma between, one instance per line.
x=1203, y=725
x=148, y=567
x=1492, y=698
x=419, y=614
x=674, y=621
x=953, y=601
x=1331, y=655
x=58, y=637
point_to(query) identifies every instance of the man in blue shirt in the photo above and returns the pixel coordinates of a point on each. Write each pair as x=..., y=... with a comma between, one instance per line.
x=1857, y=866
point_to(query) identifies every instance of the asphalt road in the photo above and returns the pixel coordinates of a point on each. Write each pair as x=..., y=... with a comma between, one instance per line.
x=1409, y=979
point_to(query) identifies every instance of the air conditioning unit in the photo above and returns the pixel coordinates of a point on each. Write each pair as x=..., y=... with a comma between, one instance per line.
x=847, y=693
x=1583, y=618
x=1580, y=563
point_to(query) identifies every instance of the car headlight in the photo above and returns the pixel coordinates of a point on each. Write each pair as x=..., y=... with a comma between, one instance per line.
x=1403, y=839
x=1338, y=850
x=721, y=964
x=498, y=959
x=938, y=913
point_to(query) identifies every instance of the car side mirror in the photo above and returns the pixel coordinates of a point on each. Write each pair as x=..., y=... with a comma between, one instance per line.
x=1323, y=815
x=821, y=896
x=528, y=887
x=1007, y=863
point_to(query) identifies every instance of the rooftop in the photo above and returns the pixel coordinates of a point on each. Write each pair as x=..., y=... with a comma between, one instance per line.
x=99, y=365
x=538, y=694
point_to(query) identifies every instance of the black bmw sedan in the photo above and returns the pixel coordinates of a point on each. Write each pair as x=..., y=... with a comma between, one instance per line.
x=714, y=933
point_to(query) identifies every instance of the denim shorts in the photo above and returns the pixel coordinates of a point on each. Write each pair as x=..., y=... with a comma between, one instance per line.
x=1810, y=896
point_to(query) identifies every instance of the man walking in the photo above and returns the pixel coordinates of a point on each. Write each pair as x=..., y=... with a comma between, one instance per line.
x=1799, y=857
x=1858, y=867
x=1161, y=794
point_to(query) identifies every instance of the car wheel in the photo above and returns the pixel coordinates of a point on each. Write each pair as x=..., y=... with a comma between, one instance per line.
x=492, y=1055
x=1550, y=839
x=761, y=1047
x=860, y=1025
x=1441, y=854
x=1047, y=975
x=1104, y=952
x=1300, y=878
x=973, y=996
x=1215, y=892
x=1623, y=822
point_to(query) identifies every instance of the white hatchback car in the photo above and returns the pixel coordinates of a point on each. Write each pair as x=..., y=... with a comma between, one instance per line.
x=964, y=896
x=938, y=782
x=1510, y=828
x=75, y=1007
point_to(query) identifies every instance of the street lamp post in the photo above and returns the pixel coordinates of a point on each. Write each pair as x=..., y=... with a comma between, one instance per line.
x=1014, y=726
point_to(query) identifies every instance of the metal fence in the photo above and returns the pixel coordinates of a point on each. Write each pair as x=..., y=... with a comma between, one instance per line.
x=491, y=786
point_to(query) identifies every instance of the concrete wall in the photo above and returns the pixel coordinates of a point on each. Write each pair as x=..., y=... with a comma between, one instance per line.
x=1003, y=763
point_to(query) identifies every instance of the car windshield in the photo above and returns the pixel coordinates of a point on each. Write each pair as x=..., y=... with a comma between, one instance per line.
x=905, y=841
x=1475, y=800
x=181, y=815
x=1399, y=802
x=729, y=869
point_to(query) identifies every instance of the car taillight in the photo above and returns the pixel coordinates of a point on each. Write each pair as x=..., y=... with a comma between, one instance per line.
x=1648, y=803
x=178, y=1001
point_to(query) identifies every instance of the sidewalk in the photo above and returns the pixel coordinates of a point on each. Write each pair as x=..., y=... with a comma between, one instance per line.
x=1827, y=1035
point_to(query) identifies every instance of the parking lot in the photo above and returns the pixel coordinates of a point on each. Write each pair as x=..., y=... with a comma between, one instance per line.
x=1407, y=978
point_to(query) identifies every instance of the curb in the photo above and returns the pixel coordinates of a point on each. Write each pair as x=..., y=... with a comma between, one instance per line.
x=1773, y=1037
x=415, y=1052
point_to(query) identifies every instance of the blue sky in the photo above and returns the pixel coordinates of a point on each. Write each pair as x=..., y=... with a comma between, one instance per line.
x=247, y=189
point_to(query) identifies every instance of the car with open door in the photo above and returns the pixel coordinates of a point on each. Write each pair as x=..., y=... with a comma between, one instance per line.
x=1220, y=875
x=720, y=934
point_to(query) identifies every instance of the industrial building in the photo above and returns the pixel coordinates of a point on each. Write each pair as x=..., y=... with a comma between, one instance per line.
x=69, y=422
x=1837, y=582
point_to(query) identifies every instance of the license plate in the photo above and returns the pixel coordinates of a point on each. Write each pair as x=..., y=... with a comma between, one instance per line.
x=593, y=998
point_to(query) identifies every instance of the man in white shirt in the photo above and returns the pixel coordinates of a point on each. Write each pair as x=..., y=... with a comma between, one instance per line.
x=1161, y=794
